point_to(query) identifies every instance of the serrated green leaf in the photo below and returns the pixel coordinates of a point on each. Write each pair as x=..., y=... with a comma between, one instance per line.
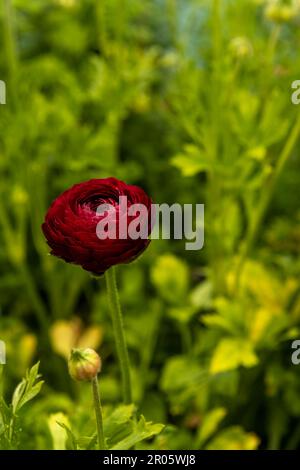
x=121, y=415
x=17, y=395
x=27, y=389
x=201, y=295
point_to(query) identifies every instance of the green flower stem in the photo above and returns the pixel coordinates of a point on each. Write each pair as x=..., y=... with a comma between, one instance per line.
x=117, y=320
x=98, y=413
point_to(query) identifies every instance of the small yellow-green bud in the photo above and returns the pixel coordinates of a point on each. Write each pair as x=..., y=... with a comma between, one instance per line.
x=84, y=364
x=241, y=47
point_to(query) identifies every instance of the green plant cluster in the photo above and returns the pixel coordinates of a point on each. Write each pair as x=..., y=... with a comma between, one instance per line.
x=191, y=100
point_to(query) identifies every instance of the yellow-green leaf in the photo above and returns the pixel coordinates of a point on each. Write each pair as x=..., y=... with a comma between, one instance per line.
x=232, y=353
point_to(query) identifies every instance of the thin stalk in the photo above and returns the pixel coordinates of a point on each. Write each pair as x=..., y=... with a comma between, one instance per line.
x=117, y=320
x=273, y=41
x=98, y=413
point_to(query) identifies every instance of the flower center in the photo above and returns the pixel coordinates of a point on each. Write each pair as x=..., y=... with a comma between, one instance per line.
x=93, y=202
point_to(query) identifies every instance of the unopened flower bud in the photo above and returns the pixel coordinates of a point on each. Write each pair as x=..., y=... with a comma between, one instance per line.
x=241, y=47
x=280, y=13
x=84, y=364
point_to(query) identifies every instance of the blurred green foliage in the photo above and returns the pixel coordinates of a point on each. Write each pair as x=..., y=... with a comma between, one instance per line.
x=191, y=100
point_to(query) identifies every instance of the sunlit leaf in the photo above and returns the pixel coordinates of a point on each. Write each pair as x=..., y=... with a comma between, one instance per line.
x=234, y=438
x=210, y=424
x=232, y=353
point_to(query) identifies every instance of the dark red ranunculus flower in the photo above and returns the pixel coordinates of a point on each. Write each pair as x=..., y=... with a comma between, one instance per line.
x=71, y=223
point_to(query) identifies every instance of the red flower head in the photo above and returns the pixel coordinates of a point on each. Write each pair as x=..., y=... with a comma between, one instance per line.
x=85, y=224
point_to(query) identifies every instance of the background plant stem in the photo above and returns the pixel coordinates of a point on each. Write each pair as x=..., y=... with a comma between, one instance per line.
x=117, y=319
x=98, y=413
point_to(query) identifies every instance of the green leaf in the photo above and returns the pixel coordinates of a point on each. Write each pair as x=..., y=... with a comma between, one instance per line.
x=191, y=161
x=210, y=424
x=5, y=412
x=32, y=374
x=5, y=419
x=170, y=275
x=58, y=424
x=181, y=372
x=122, y=430
x=234, y=438
x=181, y=314
x=201, y=295
x=27, y=389
x=18, y=394
x=228, y=316
x=72, y=441
x=120, y=416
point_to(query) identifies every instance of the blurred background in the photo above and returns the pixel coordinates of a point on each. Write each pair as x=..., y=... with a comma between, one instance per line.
x=191, y=100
